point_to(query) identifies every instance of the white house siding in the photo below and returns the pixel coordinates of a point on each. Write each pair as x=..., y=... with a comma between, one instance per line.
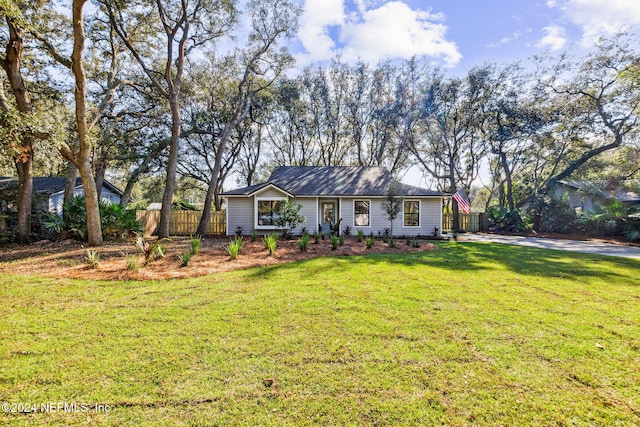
x=309, y=211
x=430, y=217
x=240, y=213
x=109, y=196
x=56, y=200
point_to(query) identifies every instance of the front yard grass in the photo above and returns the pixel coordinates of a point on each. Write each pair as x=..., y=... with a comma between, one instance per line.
x=469, y=334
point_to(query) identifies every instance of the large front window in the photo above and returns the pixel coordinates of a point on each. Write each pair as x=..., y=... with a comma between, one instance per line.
x=361, y=213
x=412, y=213
x=268, y=212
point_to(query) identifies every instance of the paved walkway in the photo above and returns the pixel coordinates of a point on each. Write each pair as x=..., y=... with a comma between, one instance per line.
x=559, y=244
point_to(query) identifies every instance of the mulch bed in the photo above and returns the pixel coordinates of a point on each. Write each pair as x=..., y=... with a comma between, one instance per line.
x=67, y=259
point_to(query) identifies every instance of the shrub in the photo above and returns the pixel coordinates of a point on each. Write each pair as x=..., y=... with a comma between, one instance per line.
x=360, y=235
x=370, y=240
x=341, y=240
x=195, y=244
x=316, y=238
x=131, y=261
x=239, y=230
x=415, y=243
x=392, y=243
x=117, y=222
x=504, y=220
x=185, y=258
x=303, y=242
x=611, y=219
x=253, y=235
x=160, y=251
x=552, y=214
x=631, y=230
x=93, y=257
x=234, y=247
x=334, y=242
x=151, y=251
x=632, y=234
x=271, y=243
x=346, y=231
x=289, y=217
x=114, y=220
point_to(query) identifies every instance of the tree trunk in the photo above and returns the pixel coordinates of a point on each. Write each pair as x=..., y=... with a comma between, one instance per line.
x=206, y=210
x=101, y=169
x=25, y=199
x=133, y=179
x=141, y=169
x=72, y=177
x=172, y=165
x=217, y=201
x=455, y=223
x=94, y=229
x=508, y=180
x=239, y=114
x=24, y=158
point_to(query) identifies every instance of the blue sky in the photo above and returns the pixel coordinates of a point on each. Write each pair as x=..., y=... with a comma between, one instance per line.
x=455, y=34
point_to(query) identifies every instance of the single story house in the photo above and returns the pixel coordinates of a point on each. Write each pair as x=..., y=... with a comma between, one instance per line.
x=585, y=196
x=52, y=189
x=328, y=194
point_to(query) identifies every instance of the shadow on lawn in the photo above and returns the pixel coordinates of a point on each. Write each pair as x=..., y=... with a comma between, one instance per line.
x=478, y=257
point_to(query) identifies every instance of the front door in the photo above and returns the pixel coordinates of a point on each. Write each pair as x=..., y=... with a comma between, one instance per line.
x=328, y=212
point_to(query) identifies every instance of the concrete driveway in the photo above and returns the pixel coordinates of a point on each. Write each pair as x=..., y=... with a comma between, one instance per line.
x=588, y=247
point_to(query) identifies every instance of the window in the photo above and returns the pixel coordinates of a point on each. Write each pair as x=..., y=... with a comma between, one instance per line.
x=268, y=212
x=361, y=214
x=412, y=213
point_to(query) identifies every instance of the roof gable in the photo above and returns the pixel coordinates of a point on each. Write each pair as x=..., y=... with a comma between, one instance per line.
x=256, y=189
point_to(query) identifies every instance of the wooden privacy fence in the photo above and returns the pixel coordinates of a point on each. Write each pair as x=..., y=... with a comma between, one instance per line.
x=467, y=222
x=182, y=223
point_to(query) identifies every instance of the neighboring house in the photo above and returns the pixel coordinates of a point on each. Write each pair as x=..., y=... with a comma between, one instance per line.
x=328, y=194
x=585, y=196
x=52, y=189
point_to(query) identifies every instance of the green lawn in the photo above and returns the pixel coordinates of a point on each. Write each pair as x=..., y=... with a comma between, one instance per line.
x=469, y=334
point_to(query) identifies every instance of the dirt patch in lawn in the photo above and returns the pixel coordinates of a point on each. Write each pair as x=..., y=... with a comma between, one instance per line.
x=68, y=259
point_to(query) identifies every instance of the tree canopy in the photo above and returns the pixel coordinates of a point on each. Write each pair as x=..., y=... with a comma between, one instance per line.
x=186, y=98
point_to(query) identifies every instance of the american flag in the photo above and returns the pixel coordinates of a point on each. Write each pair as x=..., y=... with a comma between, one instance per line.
x=463, y=201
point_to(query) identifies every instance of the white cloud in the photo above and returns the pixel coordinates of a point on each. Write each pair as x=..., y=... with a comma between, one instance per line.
x=601, y=17
x=555, y=38
x=392, y=30
x=317, y=17
x=508, y=39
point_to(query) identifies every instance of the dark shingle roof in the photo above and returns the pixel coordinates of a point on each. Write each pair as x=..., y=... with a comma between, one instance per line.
x=333, y=181
x=50, y=184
